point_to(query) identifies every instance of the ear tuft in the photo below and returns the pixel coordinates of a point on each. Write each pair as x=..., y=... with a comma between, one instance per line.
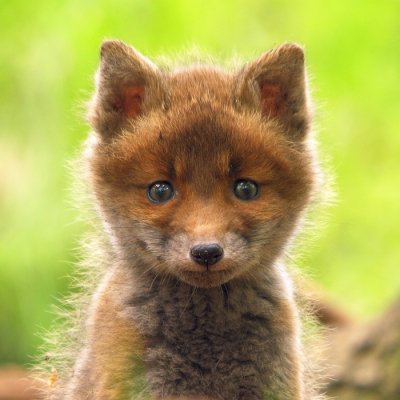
x=275, y=84
x=127, y=85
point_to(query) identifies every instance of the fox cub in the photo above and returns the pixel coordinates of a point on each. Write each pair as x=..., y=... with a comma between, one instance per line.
x=200, y=177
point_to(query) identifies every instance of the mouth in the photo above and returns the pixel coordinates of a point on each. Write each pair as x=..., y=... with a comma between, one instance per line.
x=206, y=278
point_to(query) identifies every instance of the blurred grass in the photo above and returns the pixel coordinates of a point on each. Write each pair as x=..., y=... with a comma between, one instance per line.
x=49, y=53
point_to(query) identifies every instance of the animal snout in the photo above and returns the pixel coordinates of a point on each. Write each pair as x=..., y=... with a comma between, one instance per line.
x=207, y=254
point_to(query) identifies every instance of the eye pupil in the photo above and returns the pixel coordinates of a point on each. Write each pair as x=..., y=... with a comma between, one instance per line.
x=245, y=189
x=160, y=192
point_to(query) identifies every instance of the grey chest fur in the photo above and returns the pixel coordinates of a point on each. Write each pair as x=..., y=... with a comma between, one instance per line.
x=219, y=342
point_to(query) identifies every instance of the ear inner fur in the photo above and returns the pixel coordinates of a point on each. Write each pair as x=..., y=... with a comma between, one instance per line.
x=273, y=99
x=130, y=102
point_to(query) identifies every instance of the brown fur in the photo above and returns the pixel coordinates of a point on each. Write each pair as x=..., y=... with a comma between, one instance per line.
x=160, y=323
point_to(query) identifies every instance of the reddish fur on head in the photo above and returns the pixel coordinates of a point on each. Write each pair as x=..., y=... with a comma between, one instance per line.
x=201, y=130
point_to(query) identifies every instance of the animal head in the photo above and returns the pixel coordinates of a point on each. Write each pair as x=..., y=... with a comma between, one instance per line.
x=198, y=172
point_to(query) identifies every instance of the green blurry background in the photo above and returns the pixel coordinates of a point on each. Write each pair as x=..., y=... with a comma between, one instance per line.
x=48, y=55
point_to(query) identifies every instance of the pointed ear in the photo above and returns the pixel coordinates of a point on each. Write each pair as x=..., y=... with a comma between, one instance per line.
x=127, y=85
x=275, y=84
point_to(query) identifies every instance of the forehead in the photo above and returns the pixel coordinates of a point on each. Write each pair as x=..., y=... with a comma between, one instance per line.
x=200, y=150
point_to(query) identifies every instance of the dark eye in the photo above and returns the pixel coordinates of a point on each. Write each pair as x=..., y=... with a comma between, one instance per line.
x=160, y=192
x=245, y=189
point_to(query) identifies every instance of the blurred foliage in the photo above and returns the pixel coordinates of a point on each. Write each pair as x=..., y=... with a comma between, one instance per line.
x=49, y=53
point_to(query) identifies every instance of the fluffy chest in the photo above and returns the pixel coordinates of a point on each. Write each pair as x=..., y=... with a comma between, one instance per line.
x=207, y=341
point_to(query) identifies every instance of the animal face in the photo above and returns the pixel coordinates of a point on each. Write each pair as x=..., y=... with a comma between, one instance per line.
x=205, y=185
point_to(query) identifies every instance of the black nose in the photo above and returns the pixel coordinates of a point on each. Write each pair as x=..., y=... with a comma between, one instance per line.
x=207, y=254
